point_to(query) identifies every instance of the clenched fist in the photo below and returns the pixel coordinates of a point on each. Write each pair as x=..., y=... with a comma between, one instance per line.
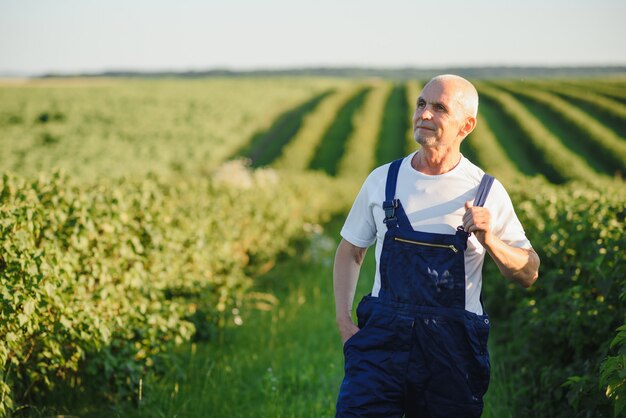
x=477, y=220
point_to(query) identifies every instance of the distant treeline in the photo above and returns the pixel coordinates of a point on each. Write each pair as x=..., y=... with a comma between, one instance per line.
x=391, y=73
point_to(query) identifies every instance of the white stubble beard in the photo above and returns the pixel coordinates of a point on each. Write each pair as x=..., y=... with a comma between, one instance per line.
x=424, y=141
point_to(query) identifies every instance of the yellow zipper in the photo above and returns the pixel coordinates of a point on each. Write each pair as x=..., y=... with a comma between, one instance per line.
x=427, y=244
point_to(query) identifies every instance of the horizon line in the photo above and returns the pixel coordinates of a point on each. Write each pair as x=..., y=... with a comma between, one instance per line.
x=299, y=68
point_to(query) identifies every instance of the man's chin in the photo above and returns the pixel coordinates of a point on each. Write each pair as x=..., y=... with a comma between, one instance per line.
x=425, y=141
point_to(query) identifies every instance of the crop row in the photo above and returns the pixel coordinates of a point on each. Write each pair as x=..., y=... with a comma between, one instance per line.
x=558, y=163
x=489, y=153
x=359, y=157
x=340, y=137
x=298, y=153
x=607, y=88
x=391, y=142
x=513, y=136
x=331, y=148
x=602, y=103
x=597, y=140
x=266, y=146
x=413, y=88
x=348, y=134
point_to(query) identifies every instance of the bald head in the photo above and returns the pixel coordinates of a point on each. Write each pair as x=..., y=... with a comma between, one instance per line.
x=445, y=111
x=461, y=90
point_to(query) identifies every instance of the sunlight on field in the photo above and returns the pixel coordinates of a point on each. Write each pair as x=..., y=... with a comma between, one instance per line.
x=169, y=277
x=112, y=128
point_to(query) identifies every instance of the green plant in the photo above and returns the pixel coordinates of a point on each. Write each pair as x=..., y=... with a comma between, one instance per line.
x=560, y=330
x=98, y=282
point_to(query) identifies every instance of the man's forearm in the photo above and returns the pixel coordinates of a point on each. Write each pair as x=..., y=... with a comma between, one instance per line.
x=518, y=264
x=348, y=261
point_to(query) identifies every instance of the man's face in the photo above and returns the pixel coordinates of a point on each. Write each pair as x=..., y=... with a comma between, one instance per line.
x=439, y=116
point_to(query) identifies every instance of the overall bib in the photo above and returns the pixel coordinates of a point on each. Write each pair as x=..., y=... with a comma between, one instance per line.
x=418, y=351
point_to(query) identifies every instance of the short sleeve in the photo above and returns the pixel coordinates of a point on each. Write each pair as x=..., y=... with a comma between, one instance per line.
x=360, y=227
x=506, y=224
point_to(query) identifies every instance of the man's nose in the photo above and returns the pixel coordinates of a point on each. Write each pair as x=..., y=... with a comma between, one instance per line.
x=423, y=114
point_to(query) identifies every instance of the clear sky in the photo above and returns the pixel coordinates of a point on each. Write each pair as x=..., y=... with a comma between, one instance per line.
x=38, y=36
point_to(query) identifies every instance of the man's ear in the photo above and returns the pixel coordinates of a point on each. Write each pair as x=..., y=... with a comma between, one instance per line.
x=468, y=126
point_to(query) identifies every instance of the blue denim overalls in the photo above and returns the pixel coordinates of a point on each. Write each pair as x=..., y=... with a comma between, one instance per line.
x=418, y=351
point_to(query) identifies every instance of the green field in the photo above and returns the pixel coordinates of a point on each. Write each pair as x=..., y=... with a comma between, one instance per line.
x=147, y=270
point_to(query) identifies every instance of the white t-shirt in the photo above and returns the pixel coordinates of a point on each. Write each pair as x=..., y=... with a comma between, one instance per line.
x=434, y=203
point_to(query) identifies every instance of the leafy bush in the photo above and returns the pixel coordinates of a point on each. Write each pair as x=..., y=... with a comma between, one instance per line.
x=613, y=372
x=557, y=335
x=98, y=281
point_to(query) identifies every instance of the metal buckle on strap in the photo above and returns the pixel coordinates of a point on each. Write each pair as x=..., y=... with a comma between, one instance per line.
x=390, y=209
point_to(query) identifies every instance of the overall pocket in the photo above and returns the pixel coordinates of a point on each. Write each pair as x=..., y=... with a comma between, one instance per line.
x=376, y=325
x=363, y=314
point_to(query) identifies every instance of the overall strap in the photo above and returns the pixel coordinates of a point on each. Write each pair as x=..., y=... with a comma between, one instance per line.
x=483, y=190
x=481, y=196
x=390, y=204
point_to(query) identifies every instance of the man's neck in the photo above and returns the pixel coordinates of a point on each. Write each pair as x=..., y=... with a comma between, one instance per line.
x=434, y=161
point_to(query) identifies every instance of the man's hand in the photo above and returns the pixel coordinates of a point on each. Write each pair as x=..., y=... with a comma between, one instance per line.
x=347, y=329
x=518, y=264
x=477, y=220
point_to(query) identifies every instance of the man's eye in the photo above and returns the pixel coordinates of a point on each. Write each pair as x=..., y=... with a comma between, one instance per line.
x=420, y=105
x=440, y=107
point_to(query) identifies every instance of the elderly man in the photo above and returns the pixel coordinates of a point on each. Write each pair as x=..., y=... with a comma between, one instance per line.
x=420, y=347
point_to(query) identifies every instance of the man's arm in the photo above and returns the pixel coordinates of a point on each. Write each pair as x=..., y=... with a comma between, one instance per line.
x=348, y=260
x=518, y=264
